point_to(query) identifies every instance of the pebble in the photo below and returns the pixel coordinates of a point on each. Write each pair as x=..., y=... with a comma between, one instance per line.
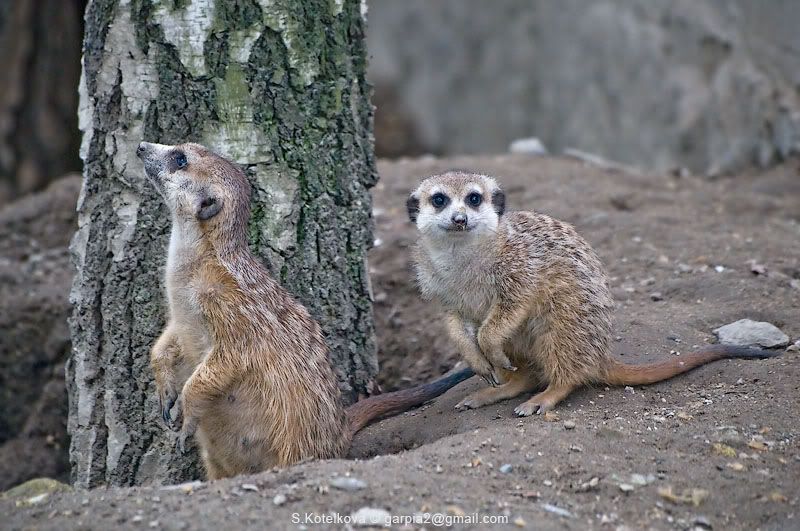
x=626, y=487
x=250, y=487
x=795, y=347
x=279, y=499
x=348, y=484
x=747, y=333
x=569, y=425
x=642, y=480
x=702, y=522
x=656, y=296
x=556, y=510
x=506, y=468
x=528, y=146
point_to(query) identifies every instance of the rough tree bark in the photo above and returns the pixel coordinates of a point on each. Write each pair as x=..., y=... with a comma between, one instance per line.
x=279, y=87
x=40, y=53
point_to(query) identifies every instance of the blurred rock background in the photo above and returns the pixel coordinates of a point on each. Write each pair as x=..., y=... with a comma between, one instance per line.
x=713, y=87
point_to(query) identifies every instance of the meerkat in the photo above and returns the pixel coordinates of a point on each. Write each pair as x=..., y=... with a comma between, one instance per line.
x=526, y=297
x=245, y=362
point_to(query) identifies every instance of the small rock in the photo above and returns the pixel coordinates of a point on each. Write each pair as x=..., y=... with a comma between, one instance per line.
x=626, y=487
x=185, y=487
x=794, y=348
x=371, y=517
x=757, y=269
x=569, y=425
x=519, y=521
x=629, y=389
x=34, y=487
x=250, y=487
x=748, y=333
x=589, y=485
x=702, y=522
x=656, y=296
x=642, y=480
x=556, y=510
x=279, y=499
x=648, y=281
x=33, y=500
x=348, y=484
x=719, y=269
x=506, y=469
x=528, y=146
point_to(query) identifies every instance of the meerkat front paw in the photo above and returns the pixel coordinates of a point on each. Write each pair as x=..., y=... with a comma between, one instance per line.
x=485, y=370
x=470, y=402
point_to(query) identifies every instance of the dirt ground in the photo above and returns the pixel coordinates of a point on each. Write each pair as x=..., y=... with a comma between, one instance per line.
x=716, y=448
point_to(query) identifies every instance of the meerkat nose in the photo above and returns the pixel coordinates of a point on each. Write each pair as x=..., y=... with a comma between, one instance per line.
x=142, y=149
x=459, y=218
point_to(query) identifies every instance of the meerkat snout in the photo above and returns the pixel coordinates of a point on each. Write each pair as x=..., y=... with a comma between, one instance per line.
x=460, y=219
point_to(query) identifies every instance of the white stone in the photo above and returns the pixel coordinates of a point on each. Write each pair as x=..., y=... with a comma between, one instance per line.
x=528, y=146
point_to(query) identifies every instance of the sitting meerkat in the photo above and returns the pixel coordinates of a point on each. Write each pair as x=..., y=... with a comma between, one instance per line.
x=245, y=361
x=527, y=297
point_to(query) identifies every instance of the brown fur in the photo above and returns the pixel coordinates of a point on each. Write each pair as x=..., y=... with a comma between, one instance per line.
x=527, y=297
x=246, y=363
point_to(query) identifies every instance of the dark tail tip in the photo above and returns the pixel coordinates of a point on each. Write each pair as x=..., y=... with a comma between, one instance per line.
x=365, y=411
x=732, y=351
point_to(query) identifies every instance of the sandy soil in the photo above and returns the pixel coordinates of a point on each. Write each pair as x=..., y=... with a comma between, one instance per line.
x=725, y=436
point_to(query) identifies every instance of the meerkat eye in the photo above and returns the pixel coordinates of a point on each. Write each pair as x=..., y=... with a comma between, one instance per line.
x=474, y=199
x=439, y=200
x=180, y=161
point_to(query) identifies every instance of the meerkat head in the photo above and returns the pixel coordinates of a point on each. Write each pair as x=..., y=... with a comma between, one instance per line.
x=199, y=186
x=456, y=204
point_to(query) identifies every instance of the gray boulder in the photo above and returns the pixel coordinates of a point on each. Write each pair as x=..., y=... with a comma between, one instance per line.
x=749, y=333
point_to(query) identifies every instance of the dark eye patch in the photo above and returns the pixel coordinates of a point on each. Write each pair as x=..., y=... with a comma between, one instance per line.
x=439, y=200
x=474, y=199
x=177, y=161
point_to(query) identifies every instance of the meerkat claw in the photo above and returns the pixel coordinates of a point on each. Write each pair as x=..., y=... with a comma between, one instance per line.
x=509, y=367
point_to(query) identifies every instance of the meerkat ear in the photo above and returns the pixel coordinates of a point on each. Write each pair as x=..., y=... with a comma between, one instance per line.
x=499, y=201
x=412, y=206
x=208, y=207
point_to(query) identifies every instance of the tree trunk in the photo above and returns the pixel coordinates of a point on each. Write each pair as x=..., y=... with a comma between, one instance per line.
x=40, y=53
x=277, y=86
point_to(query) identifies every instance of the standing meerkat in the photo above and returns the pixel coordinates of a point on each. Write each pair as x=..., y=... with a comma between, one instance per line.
x=527, y=297
x=246, y=363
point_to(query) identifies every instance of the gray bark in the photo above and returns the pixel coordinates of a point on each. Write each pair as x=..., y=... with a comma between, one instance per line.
x=278, y=87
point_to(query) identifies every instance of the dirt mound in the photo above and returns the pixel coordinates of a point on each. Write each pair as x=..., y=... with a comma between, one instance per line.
x=716, y=447
x=34, y=339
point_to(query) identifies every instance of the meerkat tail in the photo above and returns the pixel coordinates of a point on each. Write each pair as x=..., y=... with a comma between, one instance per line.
x=624, y=374
x=365, y=411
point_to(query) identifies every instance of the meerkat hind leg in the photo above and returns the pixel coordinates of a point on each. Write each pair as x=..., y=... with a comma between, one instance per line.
x=544, y=401
x=516, y=384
